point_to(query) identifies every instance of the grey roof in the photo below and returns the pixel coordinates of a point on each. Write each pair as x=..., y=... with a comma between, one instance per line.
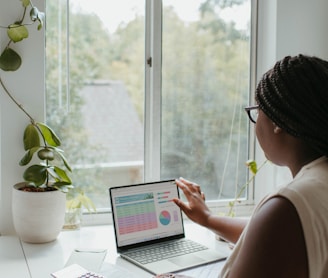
x=111, y=121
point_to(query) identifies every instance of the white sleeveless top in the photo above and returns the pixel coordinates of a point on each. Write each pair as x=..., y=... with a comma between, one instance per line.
x=308, y=192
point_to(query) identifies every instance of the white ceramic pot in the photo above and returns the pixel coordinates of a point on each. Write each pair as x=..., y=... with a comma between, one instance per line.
x=38, y=216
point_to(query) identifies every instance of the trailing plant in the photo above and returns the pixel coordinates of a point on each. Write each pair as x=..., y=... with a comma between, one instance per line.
x=40, y=141
x=253, y=168
x=10, y=60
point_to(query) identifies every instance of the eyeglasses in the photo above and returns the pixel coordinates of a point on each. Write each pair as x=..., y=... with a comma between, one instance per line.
x=252, y=112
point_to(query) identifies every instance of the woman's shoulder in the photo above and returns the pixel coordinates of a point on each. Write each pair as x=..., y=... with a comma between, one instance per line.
x=274, y=238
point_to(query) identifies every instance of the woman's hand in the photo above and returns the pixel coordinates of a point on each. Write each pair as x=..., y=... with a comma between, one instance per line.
x=196, y=209
x=229, y=228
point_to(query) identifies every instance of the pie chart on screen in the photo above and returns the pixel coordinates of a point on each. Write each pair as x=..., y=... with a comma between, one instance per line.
x=165, y=217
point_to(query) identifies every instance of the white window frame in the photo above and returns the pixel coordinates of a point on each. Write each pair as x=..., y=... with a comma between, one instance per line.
x=153, y=85
x=153, y=106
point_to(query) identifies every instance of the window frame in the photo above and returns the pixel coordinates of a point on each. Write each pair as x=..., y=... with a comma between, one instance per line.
x=152, y=120
x=153, y=64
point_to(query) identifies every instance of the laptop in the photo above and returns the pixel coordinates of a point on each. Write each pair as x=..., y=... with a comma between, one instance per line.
x=146, y=220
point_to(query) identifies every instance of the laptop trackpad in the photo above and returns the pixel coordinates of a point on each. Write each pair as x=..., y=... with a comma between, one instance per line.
x=185, y=260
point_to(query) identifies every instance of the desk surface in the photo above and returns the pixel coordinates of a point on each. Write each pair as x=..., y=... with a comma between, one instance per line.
x=19, y=259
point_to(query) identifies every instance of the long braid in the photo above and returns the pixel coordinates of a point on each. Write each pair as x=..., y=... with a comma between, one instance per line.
x=294, y=95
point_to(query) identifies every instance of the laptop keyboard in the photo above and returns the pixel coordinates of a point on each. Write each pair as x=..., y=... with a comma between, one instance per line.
x=164, y=251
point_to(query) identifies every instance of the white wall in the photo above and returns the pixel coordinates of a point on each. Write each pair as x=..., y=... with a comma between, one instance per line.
x=27, y=85
x=290, y=27
x=287, y=27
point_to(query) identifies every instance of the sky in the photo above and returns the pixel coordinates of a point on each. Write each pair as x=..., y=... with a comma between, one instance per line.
x=125, y=10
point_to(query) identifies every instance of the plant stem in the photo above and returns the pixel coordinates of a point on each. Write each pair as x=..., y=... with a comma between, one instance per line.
x=242, y=189
x=24, y=13
x=33, y=122
x=15, y=101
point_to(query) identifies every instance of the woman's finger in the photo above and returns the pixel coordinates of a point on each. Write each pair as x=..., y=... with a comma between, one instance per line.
x=191, y=185
x=183, y=187
x=184, y=207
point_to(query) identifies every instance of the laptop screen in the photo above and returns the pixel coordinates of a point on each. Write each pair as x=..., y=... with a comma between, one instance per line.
x=145, y=212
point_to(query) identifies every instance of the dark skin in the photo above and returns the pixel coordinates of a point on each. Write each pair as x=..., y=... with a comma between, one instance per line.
x=274, y=245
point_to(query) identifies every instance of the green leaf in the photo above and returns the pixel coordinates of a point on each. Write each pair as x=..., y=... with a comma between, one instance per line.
x=46, y=154
x=10, y=60
x=41, y=18
x=252, y=166
x=25, y=3
x=17, y=32
x=35, y=14
x=64, y=161
x=36, y=174
x=63, y=188
x=49, y=135
x=73, y=203
x=28, y=156
x=79, y=201
x=86, y=202
x=31, y=137
x=60, y=176
x=64, y=178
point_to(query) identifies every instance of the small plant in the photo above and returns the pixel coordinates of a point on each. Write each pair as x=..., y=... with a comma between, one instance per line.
x=253, y=168
x=78, y=201
x=39, y=140
x=74, y=203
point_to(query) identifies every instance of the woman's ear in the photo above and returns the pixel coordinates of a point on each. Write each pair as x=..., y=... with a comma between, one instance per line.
x=276, y=129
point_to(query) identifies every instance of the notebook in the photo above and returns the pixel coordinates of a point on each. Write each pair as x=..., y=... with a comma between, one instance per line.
x=145, y=217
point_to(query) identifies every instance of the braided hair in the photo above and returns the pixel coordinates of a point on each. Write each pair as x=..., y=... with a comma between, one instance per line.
x=294, y=95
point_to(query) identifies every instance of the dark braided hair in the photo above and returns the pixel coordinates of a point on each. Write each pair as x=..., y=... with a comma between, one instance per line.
x=294, y=95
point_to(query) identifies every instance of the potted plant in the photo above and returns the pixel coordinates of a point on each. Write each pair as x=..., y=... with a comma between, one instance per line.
x=45, y=182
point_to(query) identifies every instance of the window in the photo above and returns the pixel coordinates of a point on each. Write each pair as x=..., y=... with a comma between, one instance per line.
x=145, y=90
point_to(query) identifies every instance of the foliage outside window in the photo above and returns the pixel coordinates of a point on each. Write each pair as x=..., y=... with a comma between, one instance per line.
x=96, y=92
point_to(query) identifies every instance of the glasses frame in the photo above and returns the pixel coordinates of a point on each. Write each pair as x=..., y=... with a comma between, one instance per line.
x=248, y=110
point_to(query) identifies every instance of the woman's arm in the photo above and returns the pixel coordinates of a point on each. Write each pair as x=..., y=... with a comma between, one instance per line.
x=273, y=245
x=196, y=209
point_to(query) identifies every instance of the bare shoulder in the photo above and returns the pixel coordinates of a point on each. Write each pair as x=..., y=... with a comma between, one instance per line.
x=274, y=244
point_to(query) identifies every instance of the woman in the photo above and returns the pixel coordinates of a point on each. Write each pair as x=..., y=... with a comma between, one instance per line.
x=287, y=235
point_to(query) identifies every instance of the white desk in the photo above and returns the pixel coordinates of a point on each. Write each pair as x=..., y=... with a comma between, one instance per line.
x=19, y=259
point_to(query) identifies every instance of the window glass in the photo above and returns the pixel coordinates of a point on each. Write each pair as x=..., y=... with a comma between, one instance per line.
x=95, y=90
x=95, y=86
x=205, y=84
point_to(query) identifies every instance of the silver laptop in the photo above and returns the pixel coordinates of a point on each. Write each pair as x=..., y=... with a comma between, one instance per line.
x=149, y=229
